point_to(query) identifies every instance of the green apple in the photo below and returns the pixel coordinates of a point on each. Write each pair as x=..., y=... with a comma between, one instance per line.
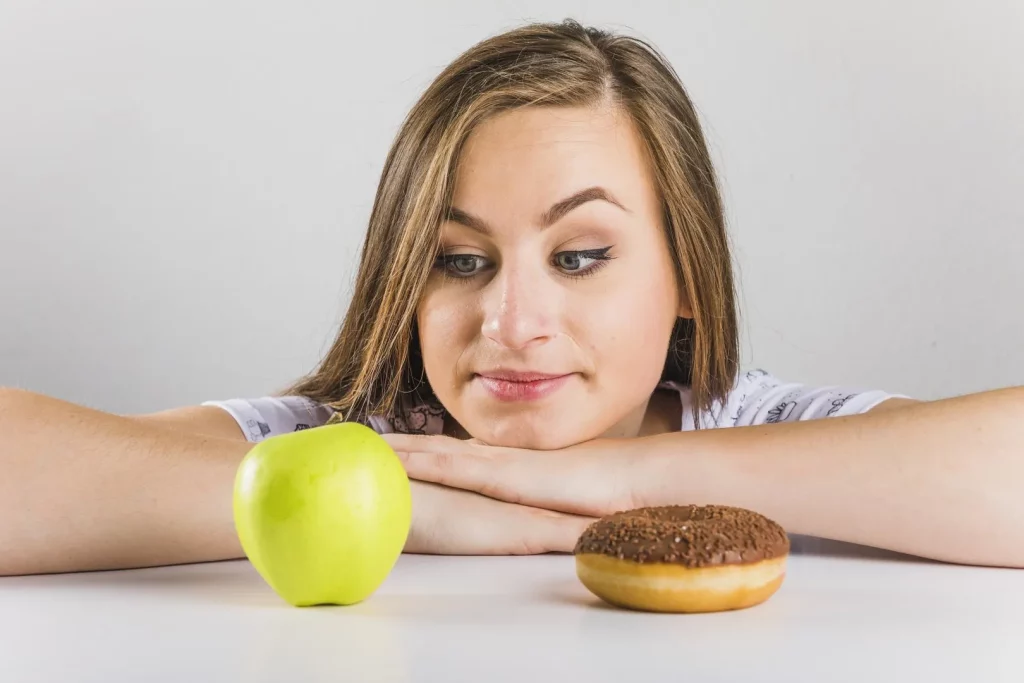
x=323, y=513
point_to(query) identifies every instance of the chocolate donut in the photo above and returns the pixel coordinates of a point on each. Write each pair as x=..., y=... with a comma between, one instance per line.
x=683, y=558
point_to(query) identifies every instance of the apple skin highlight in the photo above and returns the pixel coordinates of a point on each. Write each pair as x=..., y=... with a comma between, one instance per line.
x=323, y=514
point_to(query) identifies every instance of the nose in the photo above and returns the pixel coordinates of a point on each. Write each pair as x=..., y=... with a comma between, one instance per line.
x=520, y=307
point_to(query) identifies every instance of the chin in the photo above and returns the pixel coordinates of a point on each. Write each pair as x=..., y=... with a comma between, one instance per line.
x=535, y=443
x=517, y=433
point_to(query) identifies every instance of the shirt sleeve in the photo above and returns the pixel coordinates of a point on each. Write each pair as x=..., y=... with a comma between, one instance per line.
x=759, y=398
x=262, y=418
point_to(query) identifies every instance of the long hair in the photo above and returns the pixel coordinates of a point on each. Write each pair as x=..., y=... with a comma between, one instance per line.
x=375, y=359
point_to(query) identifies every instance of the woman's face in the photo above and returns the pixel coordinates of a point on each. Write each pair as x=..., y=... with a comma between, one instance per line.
x=547, y=319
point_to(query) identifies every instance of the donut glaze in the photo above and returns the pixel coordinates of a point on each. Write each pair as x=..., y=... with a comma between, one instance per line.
x=683, y=558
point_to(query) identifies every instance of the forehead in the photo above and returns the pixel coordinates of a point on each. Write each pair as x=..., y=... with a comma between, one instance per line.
x=527, y=158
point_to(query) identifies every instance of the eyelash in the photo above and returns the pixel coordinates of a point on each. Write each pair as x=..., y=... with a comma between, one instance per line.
x=445, y=263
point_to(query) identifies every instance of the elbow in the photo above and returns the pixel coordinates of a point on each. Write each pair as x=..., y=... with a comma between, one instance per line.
x=1000, y=554
x=998, y=550
x=10, y=397
x=1013, y=401
x=12, y=407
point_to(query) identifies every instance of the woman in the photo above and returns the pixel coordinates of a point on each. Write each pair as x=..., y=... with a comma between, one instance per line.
x=544, y=327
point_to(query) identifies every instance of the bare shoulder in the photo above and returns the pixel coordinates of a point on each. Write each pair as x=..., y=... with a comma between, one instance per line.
x=16, y=403
x=894, y=404
x=207, y=420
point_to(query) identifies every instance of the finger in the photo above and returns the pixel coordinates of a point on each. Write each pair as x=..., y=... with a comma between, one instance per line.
x=447, y=461
x=559, y=532
x=539, y=479
x=457, y=464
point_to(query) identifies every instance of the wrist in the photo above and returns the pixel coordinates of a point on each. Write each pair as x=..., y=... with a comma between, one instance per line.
x=674, y=469
x=747, y=467
x=698, y=468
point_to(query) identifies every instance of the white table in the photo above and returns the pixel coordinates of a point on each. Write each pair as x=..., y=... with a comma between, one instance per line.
x=843, y=614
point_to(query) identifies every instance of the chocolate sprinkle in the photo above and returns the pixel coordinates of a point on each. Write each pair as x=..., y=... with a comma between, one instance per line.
x=688, y=535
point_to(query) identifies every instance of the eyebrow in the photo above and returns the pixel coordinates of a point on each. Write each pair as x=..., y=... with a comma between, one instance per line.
x=555, y=212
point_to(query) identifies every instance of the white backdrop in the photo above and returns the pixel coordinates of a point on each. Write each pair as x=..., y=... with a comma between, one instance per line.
x=184, y=185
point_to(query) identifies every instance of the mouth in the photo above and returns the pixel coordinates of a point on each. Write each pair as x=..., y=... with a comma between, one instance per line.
x=521, y=386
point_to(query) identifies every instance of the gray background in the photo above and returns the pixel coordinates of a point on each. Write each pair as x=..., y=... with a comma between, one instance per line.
x=184, y=185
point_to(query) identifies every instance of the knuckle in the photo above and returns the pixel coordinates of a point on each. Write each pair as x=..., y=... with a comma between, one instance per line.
x=621, y=503
x=444, y=463
x=529, y=546
x=499, y=491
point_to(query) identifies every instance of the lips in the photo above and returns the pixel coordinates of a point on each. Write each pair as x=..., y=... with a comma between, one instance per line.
x=508, y=385
x=514, y=376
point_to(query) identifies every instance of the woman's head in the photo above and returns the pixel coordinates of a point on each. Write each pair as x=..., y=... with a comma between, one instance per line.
x=549, y=207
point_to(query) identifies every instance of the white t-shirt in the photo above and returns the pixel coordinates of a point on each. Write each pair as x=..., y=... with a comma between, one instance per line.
x=756, y=398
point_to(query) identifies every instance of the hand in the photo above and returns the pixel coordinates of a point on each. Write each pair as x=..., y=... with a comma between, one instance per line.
x=594, y=478
x=448, y=521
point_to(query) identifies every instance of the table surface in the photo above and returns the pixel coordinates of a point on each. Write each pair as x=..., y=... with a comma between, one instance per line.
x=844, y=613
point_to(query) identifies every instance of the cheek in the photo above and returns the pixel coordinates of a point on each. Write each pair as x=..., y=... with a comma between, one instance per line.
x=445, y=329
x=635, y=331
x=630, y=325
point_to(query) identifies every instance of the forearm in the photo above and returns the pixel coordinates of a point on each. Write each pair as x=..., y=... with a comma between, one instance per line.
x=943, y=479
x=82, y=489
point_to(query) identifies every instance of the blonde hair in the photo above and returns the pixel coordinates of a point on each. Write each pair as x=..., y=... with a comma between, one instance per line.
x=375, y=359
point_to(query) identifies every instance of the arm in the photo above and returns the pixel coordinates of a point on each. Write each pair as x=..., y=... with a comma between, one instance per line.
x=943, y=480
x=198, y=420
x=83, y=489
